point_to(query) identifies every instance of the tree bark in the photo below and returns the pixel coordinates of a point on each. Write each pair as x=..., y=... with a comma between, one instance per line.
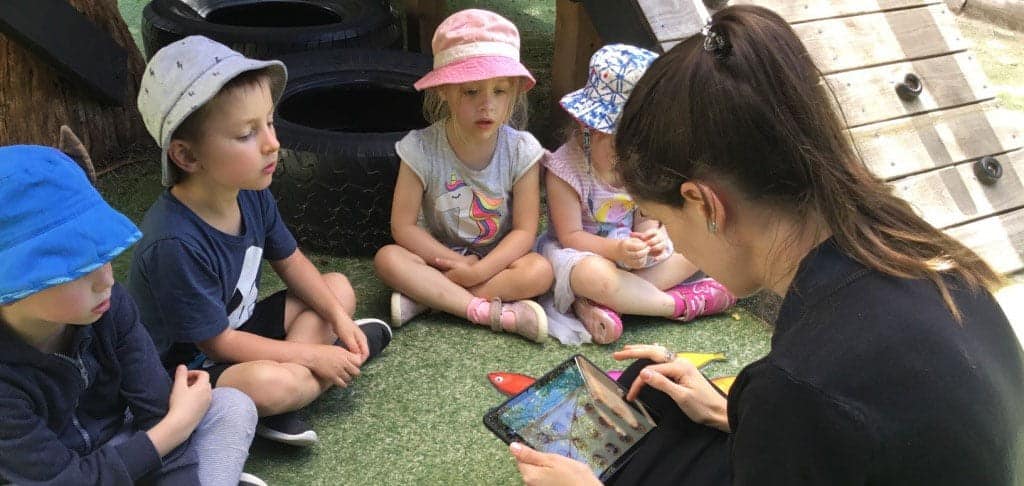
x=35, y=101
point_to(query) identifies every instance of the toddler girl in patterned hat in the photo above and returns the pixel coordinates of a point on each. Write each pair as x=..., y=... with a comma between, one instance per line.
x=609, y=259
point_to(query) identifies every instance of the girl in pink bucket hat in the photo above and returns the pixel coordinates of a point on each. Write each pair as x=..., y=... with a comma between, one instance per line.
x=607, y=258
x=467, y=199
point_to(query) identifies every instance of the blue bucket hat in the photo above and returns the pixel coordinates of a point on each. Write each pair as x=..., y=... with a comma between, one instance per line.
x=614, y=71
x=54, y=226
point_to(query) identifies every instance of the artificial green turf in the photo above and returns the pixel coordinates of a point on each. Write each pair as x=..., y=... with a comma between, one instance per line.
x=415, y=416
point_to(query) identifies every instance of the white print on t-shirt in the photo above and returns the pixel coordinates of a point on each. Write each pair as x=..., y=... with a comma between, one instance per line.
x=243, y=300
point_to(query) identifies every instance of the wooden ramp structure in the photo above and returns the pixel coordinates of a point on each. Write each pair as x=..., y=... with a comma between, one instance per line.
x=916, y=101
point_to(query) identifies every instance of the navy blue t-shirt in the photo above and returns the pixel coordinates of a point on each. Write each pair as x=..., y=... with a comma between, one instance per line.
x=192, y=281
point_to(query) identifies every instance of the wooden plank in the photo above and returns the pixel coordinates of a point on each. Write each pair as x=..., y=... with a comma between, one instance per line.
x=909, y=145
x=421, y=20
x=997, y=239
x=575, y=41
x=66, y=40
x=953, y=195
x=870, y=40
x=805, y=10
x=674, y=19
x=869, y=95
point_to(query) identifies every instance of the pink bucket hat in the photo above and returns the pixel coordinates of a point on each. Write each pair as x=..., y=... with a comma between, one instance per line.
x=473, y=45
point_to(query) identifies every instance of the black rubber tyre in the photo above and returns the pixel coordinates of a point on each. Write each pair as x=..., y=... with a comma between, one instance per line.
x=266, y=29
x=338, y=121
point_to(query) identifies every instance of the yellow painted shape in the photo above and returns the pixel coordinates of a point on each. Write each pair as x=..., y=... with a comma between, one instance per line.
x=724, y=383
x=701, y=359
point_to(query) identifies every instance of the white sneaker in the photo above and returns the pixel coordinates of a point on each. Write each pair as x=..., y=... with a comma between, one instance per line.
x=287, y=428
x=247, y=479
x=403, y=309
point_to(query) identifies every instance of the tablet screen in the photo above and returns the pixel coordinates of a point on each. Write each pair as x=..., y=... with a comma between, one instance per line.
x=578, y=412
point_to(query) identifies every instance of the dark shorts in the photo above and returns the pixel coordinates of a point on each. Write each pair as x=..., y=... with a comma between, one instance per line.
x=267, y=320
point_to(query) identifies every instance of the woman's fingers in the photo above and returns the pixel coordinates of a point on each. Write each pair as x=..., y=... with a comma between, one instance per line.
x=526, y=455
x=653, y=352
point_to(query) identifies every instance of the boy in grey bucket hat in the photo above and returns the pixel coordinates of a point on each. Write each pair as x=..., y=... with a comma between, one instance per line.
x=177, y=82
x=197, y=269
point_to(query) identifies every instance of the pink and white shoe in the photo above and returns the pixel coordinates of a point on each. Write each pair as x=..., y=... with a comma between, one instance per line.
x=603, y=324
x=701, y=298
x=403, y=309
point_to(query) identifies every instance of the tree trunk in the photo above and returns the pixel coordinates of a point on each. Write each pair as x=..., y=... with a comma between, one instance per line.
x=35, y=101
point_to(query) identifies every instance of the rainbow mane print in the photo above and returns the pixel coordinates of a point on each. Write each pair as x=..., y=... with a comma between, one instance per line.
x=482, y=210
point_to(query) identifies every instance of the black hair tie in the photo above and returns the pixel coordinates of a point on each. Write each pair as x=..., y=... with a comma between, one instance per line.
x=716, y=42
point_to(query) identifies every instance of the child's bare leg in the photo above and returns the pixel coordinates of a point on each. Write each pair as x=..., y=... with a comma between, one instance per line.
x=274, y=387
x=668, y=273
x=600, y=280
x=527, y=277
x=302, y=324
x=407, y=273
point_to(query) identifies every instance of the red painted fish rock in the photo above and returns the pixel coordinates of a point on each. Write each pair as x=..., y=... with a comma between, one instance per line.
x=510, y=383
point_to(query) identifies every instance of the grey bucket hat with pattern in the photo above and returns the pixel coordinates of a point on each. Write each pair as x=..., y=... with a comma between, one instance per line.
x=185, y=75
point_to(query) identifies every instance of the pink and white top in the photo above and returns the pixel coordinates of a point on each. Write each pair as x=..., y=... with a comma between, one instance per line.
x=606, y=210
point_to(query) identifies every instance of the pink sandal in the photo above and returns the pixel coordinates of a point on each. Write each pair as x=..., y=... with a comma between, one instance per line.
x=701, y=298
x=603, y=324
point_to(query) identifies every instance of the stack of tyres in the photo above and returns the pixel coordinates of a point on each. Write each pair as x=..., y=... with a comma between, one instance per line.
x=266, y=29
x=349, y=98
x=338, y=121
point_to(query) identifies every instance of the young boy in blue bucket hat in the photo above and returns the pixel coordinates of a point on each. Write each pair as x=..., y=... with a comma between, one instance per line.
x=83, y=397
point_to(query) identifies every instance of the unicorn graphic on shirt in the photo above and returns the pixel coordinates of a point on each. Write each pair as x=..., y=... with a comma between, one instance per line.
x=478, y=214
x=613, y=215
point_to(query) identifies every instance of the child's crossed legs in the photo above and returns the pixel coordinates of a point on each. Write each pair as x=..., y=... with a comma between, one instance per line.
x=528, y=276
x=278, y=387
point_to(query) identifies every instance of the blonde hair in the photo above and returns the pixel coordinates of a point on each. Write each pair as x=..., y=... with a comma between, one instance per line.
x=435, y=109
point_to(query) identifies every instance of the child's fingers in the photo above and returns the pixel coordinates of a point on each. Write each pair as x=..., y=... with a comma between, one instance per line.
x=180, y=376
x=198, y=378
x=634, y=244
x=444, y=263
x=645, y=235
x=364, y=347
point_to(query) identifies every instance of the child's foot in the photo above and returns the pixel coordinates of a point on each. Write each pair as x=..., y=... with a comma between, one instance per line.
x=523, y=317
x=247, y=479
x=378, y=335
x=403, y=309
x=603, y=324
x=701, y=298
x=286, y=428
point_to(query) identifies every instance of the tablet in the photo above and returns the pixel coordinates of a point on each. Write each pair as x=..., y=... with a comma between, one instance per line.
x=577, y=411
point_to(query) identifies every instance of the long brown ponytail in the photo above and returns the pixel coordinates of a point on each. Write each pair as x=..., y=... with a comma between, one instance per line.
x=751, y=109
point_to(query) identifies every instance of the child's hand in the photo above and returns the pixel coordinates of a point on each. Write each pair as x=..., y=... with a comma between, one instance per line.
x=352, y=337
x=190, y=397
x=460, y=272
x=334, y=363
x=632, y=252
x=656, y=239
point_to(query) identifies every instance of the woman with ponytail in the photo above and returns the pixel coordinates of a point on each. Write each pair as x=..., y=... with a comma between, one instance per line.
x=890, y=361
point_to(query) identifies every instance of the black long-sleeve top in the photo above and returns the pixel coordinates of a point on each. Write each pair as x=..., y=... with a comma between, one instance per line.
x=870, y=380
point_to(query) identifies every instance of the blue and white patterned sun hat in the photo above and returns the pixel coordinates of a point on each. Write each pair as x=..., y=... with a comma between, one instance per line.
x=614, y=71
x=54, y=226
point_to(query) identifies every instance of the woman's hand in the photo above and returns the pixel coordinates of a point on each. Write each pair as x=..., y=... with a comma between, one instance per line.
x=539, y=468
x=653, y=352
x=695, y=395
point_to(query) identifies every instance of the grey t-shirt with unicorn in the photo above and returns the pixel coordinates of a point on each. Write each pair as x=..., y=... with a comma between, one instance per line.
x=465, y=209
